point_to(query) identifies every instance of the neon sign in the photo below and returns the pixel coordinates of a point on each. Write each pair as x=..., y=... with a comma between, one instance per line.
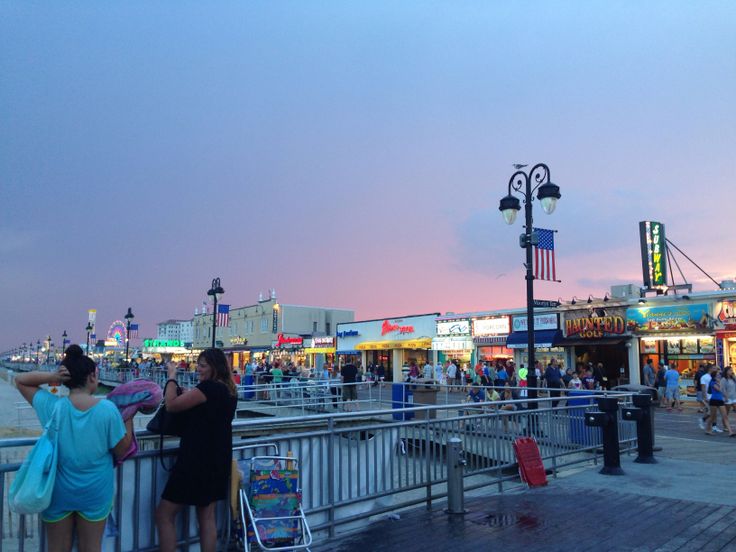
x=162, y=343
x=387, y=327
x=653, y=254
x=282, y=340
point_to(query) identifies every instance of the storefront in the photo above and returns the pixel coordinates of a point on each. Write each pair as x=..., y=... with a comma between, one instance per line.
x=725, y=346
x=238, y=353
x=676, y=335
x=489, y=338
x=388, y=344
x=547, y=340
x=165, y=350
x=321, y=350
x=288, y=349
x=453, y=341
x=598, y=335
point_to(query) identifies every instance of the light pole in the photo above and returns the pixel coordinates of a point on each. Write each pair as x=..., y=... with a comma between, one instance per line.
x=89, y=328
x=525, y=184
x=63, y=342
x=48, y=350
x=128, y=317
x=215, y=291
x=38, y=352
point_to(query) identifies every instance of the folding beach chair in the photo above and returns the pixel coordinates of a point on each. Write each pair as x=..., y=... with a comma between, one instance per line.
x=271, y=504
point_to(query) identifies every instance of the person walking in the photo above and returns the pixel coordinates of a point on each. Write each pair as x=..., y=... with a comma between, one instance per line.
x=661, y=384
x=717, y=404
x=554, y=382
x=648, y=373
x=451, y=373
x=705, y=386
x=728, y=388
x=201, y=475
x=91, y=435
x=349, y=376
x=672, y=389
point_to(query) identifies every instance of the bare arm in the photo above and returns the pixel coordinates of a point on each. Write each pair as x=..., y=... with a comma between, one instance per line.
x=124, y=443
x=28, y=383
x=185, y=401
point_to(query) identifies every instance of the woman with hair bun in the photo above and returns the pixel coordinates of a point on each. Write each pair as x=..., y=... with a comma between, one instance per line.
x=200, y=477
x=91, y=433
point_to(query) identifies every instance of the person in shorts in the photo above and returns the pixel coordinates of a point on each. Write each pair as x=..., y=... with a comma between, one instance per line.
x=672, y=389
x=349, y=374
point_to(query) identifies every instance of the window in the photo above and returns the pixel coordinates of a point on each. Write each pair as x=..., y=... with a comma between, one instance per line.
x=314, y=327
x=264, y=325
x=327, y=328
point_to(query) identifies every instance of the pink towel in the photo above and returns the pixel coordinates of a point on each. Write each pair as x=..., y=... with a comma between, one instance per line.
x=138, y=395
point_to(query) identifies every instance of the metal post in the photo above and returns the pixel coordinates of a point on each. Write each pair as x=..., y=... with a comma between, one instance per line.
x=611, y=455
x=214, y=319
x=127, y=338
x=531, y=375
x=455, y=467
x=644, y=429
x=87, y=350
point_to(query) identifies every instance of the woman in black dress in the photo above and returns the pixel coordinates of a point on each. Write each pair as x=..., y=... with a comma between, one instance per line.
x=201, y=474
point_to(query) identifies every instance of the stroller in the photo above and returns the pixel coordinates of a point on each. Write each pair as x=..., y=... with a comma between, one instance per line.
x=270, y=504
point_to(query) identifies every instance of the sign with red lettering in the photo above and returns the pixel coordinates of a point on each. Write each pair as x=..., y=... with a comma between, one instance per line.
x=388, y=327
x=281, y=340
x=595, y=323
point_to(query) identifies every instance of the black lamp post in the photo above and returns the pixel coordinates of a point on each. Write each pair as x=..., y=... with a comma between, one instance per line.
x=38, y=352
x=63, y=342
x=215, y=291
x=48, y=350
x=525, y=184
x=128, y=317
x=88, y=329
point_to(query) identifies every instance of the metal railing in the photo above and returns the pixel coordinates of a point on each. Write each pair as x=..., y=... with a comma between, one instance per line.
x=353, y=465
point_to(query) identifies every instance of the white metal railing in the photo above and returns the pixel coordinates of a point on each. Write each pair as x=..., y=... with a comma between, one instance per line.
x=353, y=465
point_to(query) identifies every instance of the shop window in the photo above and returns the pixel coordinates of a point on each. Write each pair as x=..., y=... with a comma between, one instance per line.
x=327, y=328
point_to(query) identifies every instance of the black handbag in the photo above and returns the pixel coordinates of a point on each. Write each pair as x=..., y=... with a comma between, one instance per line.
x=167, y=423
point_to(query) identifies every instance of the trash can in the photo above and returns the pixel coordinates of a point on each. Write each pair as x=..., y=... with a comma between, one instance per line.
x=426, y=394
x=401, y=397
x=581, y=400
x=248, y=393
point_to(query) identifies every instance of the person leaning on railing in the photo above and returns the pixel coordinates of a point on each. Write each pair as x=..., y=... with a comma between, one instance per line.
x=91, y=431
x=200, y=477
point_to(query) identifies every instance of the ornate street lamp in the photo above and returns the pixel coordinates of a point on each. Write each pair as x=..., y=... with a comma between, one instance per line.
x=48, y=350
x=128, y=317
x=63, y=342
x=215, y=292
x=525, y=184
x=88, y=329
x=38, y=351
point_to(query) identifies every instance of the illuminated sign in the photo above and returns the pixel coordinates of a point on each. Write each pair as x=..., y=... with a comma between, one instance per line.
x=541, y=322
x=237, y=340
x=452, y=344
x=162, y=343
x=275, y=321
x=281, y=340
x=668, y=319
x=595, y=323
x=323, y=342
x=348, y=333
x=726, y=315
x=453, y=327
x=491, y=326
x=387, y=327
x=653, y=254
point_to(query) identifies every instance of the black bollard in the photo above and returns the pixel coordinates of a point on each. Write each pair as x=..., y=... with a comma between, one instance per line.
x=607, y=420
x=644, y=429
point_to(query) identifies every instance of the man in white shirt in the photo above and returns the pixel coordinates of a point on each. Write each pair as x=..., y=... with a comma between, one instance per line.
x=427, y=371
x=451, y=372
x=438, y=372
x=704, y=384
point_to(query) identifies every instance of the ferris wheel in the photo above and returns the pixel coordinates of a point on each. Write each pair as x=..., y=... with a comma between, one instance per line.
x=117, y=332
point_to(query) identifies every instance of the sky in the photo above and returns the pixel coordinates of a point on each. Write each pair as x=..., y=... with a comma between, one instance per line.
x=350, y=154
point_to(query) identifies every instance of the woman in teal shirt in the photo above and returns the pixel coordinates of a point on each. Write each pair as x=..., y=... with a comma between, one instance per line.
x=91, y=432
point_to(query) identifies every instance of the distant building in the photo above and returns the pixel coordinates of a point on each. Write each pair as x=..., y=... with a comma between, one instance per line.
x=180, y=330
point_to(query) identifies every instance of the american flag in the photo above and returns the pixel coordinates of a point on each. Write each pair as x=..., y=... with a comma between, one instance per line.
x=133, y=331
x=223, y=315
x=544, y=256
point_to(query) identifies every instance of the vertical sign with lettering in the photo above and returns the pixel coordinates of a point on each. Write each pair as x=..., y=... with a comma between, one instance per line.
x=653, y=254
x=275, y=321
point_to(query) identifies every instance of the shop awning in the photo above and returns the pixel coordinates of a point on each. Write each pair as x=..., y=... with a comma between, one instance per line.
x=584, y=342
x=542, y=338
x=491, y=340
x=319, y=350
x=421, y=343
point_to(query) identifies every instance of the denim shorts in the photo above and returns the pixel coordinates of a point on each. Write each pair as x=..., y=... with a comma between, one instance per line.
x=672, y=393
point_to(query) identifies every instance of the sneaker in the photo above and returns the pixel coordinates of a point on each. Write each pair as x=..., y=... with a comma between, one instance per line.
x=717, y=429
x=701, y=424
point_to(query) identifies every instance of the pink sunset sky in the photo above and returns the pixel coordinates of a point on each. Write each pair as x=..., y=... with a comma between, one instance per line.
x=350, y=154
